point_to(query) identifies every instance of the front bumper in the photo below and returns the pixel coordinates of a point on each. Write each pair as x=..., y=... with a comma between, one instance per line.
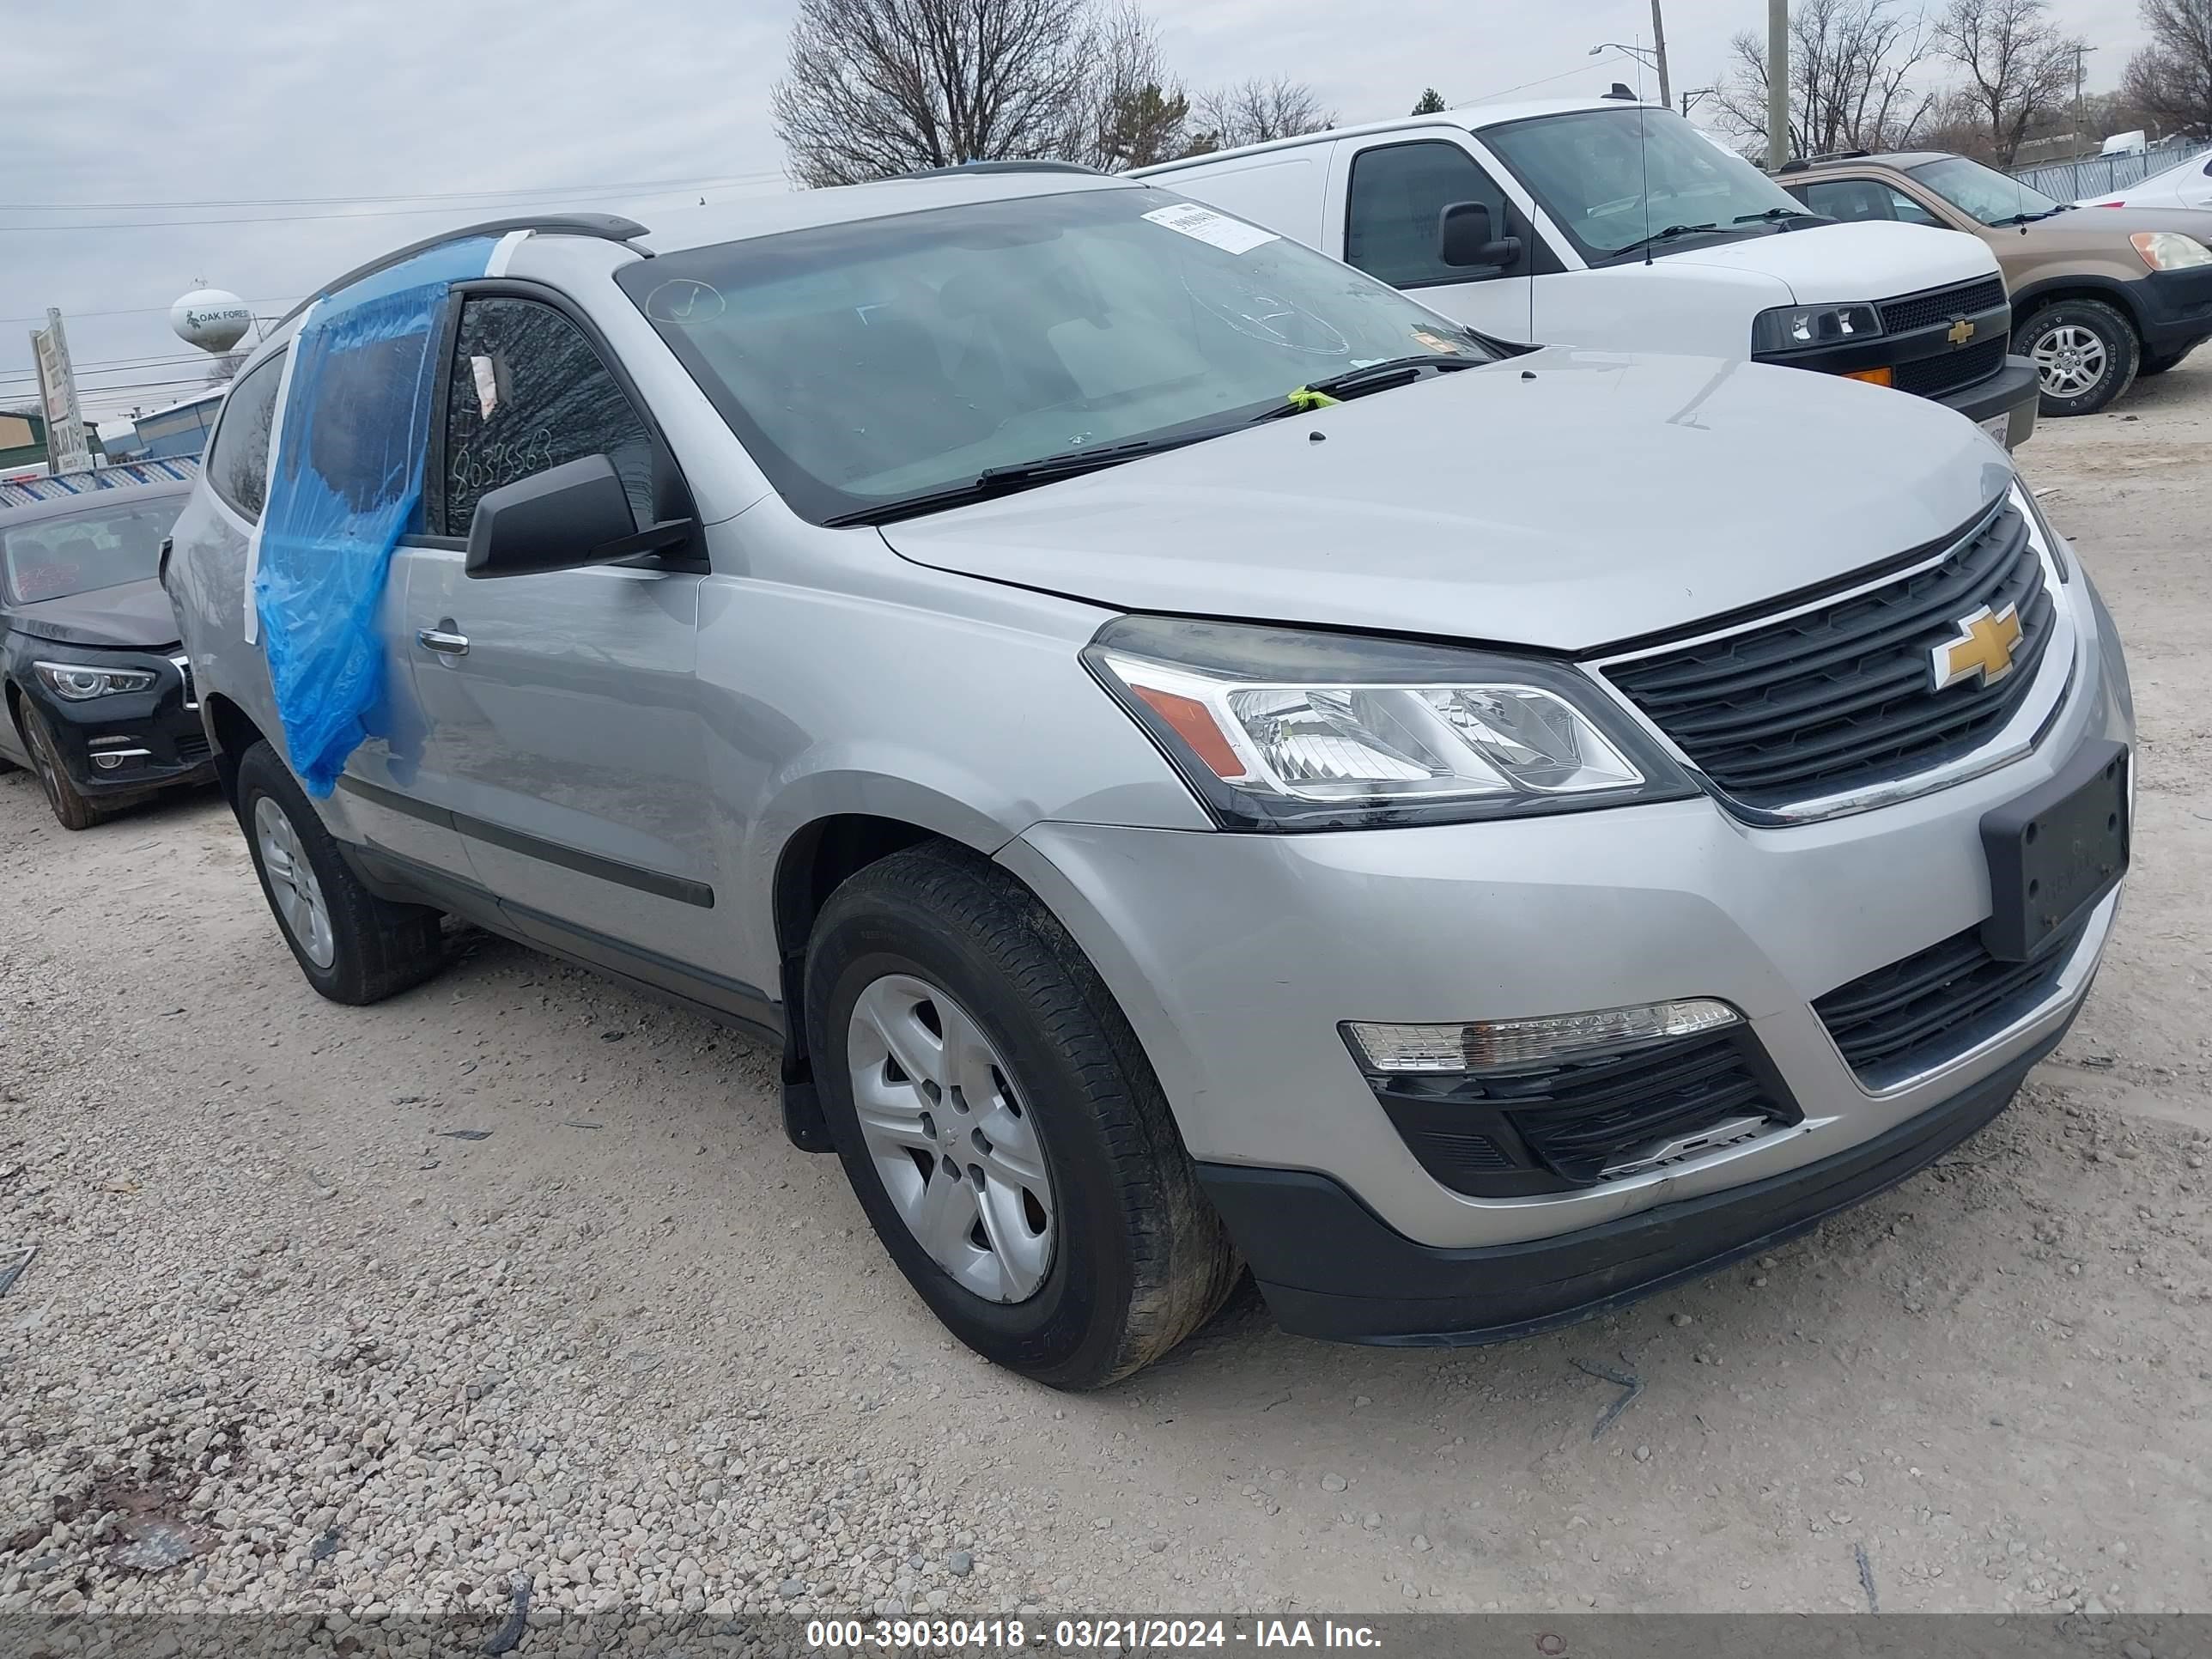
x=1330, y=1269
x=150, y=739
x=1235, y=958
x=2012, y=392
x=2176, y=307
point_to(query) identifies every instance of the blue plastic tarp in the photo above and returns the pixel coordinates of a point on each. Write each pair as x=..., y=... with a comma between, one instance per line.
x=345, y=486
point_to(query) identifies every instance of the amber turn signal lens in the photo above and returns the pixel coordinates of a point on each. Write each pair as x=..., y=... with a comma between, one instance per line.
x=1872, y=376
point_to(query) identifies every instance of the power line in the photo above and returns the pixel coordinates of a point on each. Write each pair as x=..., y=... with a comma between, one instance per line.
x=128, y=311
x=1579, y=69
x=374, y=213
x=407, y=196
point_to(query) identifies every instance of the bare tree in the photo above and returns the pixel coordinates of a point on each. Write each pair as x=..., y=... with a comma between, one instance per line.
x=2019, y=68
x=875, y=88
x=1851, y=65
x=2170, y=80
x=1134, y=109
x=1256, y=112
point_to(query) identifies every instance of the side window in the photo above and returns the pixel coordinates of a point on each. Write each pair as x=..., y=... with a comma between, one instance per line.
x=1850, y=199
x=238, y=460
x=1907, y=211
x=527, y=392
x=1398, y=194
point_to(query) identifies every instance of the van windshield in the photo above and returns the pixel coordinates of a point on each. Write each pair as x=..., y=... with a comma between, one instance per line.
x=1613, y=179
x=1989, y=196
x=889, y=360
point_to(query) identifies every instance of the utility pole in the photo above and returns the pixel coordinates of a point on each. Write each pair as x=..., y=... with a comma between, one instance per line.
x=2079, y=123
x=1778, y=84
x=1659, y=51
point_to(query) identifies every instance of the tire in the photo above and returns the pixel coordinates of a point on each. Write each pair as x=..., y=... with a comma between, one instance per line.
x=366, y=948
x=2089, y=354
x=71, y=807
x=1132, y=1258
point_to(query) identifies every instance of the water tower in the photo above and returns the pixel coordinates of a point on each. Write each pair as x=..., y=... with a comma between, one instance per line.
x=211, y=319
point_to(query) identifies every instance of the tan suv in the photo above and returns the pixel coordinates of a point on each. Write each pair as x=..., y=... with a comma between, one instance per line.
x=2099, y=294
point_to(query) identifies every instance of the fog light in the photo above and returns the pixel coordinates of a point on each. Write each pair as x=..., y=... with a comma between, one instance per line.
x=1504, y=1044
x=107, y=762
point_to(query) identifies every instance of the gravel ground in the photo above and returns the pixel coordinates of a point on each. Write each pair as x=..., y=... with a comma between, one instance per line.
x=367, y=1312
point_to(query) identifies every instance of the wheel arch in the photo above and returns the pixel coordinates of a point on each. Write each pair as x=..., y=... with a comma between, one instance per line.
x=841, y=824
x=231, y=732
x=2036, y=296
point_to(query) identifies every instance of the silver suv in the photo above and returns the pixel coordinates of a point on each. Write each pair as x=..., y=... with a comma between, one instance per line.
x=1194, y=757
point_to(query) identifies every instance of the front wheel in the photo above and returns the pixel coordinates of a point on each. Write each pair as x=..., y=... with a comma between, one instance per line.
x=2084, y=353
x=1000, y=1125
x=72, y=808
x=353, y=946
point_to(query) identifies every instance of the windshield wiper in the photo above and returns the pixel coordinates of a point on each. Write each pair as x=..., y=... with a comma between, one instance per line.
x=1666, y=235
x=1022, y=475
x=1775, y=215
x=1368, y=377
x=2028, y=218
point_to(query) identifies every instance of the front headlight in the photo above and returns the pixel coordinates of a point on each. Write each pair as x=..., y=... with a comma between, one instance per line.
x=2169, y=250
x=1279, y=729
x=1794, y=328
x=81, y=683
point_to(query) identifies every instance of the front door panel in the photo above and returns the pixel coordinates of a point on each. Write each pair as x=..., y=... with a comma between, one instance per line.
x=568, y=742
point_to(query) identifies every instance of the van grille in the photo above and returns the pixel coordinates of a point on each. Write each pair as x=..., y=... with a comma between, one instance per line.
x=1953, y=371
x=1937, y=305
x=1844, y=695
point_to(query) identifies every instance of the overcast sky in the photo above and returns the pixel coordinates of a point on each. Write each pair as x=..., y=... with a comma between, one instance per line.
x=115, y=108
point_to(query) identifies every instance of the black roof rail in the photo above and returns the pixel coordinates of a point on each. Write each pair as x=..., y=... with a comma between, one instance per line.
x=608, y=226
x=1040, y=165
x=1794, y=164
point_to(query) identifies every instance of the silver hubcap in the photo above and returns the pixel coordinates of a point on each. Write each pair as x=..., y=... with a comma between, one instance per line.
x=952, y=1141
x=2070, y=359
x=292, y=884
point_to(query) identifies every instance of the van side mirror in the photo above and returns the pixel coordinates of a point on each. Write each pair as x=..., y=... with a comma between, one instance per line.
x=1464, y=238
x=569, y=516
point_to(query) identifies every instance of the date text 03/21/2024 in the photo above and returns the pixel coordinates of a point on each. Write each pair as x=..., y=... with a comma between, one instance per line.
x=1080, y=1635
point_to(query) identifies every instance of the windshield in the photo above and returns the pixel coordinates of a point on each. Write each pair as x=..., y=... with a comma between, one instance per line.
x=53, y=558
x=1611, y=178
x=871, y=362
x=1983, y=192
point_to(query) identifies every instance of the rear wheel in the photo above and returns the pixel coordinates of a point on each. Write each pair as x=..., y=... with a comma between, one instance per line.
x=1000, y=1125
x=71, y=807
x=2084, y=353
x=353, y=946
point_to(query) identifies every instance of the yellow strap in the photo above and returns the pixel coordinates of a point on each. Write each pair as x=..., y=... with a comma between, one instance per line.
x=1306, y=402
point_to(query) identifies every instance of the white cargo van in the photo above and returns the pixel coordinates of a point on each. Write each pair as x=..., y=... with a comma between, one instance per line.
x=1608, y=224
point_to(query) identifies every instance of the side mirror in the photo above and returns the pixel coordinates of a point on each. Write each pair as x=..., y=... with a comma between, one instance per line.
x=1463, y=237
x=569, y=516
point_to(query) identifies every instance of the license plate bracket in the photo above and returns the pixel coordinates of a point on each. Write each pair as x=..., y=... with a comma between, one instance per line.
x=2056, y=852
x=2000, y=427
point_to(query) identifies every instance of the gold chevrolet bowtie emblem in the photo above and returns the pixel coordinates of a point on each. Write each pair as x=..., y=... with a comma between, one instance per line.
x=1961, y=332
x=1983, y=648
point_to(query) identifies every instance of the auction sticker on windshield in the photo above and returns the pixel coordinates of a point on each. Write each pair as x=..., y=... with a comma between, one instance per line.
x=1231, y=236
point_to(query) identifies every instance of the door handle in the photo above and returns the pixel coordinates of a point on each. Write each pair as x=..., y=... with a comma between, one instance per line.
x=443, y=641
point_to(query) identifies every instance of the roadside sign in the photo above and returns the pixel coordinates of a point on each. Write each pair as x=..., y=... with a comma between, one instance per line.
x=66, y=448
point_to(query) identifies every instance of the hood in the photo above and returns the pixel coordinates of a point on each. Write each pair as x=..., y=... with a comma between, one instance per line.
x=1827, y=263
x=2102, y=229
x=131, y=616
x=1562, y=500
